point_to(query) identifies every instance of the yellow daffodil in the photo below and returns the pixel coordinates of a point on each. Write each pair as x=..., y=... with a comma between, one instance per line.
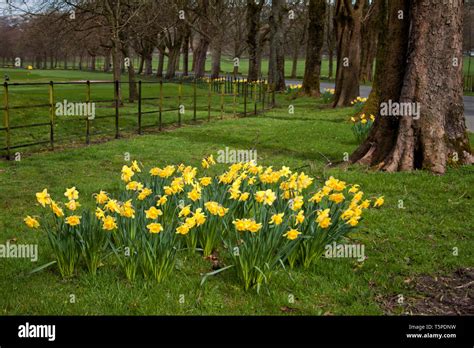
x=99, y=213
x=144, y=194
x=127, y=210
x=101, y=197
x=135, y=167
x=31, y=222
x=43, y=198
x=244, y=196
x=155, y=171
x=292, y=234
x=266, y=197
x=56, y=209
x=112, y=206
x=277, y=219
x=336, y=197
x=185, y=211
x=254, y=227
x=153, y=213
x=379, y=202
x=300, y=217
x=205, y=181
x=73, y=220
x=72, y=194
x=194, y=194
x=199, y=217
x=72, y=205
x=162, y=200
x=127, y=173
x=108, y=223
x=154, y=227
x=182, y=229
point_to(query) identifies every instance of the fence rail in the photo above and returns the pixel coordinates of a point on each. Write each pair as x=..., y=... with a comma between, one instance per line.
x=468, y=83
x=207, y=97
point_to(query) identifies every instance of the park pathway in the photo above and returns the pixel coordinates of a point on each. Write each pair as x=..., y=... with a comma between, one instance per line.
x=365, y=90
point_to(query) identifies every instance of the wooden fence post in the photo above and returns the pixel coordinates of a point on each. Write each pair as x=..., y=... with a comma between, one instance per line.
x=6, y=118
x=51, y=114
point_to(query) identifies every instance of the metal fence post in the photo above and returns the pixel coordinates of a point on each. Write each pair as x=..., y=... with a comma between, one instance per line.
x=51, y=114
x=255, y=98
x=88, y=100
x=222, y=99
x=273, y=95
x=180, y=93
x=245, y=87
x=117, y=101
x=140, y=107
x=6, y=118
x=209, y=103
x=160, y=119
x=234, y=93
x=194, y=100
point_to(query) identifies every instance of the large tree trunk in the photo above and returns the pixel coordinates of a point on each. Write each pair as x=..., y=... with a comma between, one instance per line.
x=254, y=9
x=369, y=39
x=149, y=64
x=141, y=64
x=413, y=74
x=216, y=58
x=186, y=54
x=107, y=62
x=173, y=57
x=200, y=57
x=161, y=62
x=348, y=24
x=312, y=71
x=330, y=39
x=294, y=65
x=276, y=64
x=371, y=107
x=93, y=63
x=132, y=86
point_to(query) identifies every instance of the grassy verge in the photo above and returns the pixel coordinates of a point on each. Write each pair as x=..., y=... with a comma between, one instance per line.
x=400, y=243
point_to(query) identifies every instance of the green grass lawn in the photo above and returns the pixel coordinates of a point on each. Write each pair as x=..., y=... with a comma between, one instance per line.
x=401, y=244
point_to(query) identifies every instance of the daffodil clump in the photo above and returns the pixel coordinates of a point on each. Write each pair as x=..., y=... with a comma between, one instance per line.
x=293, y=88
x=359, y=103
x=361, y=126
x=258, y=218
x=328, y=95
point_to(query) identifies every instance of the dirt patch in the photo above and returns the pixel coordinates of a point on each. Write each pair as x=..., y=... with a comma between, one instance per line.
x=436, y=295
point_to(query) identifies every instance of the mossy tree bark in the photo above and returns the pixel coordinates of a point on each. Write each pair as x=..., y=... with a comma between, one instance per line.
x=422, y=64
x=312, y=71
x=348, y=26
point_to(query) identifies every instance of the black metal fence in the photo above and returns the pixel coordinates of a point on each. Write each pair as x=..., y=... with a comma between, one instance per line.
x=233, y=96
